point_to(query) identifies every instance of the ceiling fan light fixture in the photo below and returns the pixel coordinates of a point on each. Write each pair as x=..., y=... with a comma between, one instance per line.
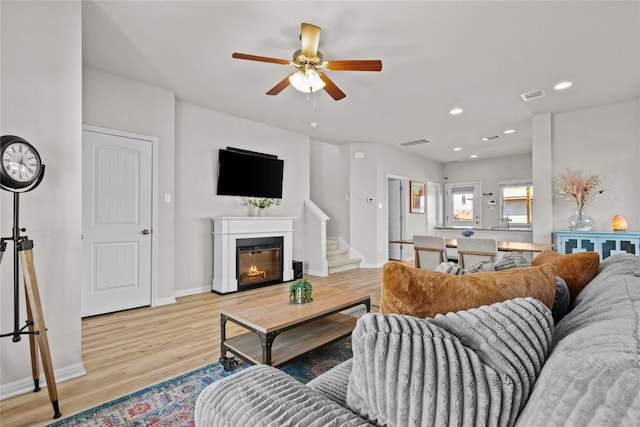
x=306, y=81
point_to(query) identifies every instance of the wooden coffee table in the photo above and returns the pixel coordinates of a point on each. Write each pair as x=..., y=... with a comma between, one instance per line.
x=299, y=328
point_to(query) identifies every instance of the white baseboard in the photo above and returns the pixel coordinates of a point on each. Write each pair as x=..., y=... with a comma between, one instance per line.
x=164, y=301
x=25, y=385
x=193, y=291
x=379, y=265
x=316, y=273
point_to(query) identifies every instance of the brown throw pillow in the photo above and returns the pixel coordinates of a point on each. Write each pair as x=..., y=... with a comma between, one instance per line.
x=425, y=293
x=576, y=269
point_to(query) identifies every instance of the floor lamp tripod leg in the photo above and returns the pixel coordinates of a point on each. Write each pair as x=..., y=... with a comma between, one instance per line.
x=33, y=346
x=33, y=300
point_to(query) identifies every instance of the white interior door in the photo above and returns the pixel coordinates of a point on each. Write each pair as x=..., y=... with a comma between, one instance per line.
x=116, y=222
x=394, y=200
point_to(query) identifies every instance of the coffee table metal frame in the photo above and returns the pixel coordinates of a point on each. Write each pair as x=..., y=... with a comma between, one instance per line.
x=267, y=339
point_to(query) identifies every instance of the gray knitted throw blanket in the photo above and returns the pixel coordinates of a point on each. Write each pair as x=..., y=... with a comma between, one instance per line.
x=474, y=367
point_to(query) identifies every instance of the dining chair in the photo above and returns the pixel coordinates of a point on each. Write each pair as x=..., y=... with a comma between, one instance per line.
x=430, y=251
x=472, y=250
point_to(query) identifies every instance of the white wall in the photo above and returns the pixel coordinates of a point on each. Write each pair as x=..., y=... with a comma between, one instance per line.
x=490, y=172
x=200, y=132
x=401, y=163
x=187, y=136
x=113, y=102
x=363, y=216
x=604, y=140
x=41, y=102
x=329, y=174
x=367, y=178
x=542, y=172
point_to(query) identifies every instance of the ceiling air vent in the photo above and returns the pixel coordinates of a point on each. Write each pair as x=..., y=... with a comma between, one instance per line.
x=532, y=95
x=416, y=142
x=490, y=138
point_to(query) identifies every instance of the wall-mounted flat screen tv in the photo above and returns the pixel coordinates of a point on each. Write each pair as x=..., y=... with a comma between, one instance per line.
x=249, y=174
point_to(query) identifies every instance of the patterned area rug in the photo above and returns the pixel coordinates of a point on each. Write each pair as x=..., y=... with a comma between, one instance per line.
x=172, y=402
x=319, y=361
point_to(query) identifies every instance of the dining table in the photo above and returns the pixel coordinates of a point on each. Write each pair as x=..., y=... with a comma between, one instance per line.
x=504, y=246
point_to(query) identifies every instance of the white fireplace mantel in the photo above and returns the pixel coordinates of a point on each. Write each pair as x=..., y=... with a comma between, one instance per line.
x=227, y=229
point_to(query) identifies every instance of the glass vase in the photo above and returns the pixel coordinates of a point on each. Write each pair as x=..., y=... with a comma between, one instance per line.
x=580, y=222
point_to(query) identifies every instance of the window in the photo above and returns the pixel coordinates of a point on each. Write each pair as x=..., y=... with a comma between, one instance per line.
x=516, y=203
x=463, y=204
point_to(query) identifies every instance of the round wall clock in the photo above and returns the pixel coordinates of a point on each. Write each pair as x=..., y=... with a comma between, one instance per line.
x=21, y=165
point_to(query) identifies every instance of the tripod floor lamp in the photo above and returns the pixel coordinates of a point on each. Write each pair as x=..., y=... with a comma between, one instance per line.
x=21, y=170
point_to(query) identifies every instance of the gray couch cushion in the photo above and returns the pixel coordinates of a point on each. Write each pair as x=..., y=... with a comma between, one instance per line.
x=480, y=266
x=263, y=396
x=473, y=367
x=512, y=260
x=592, y=377
x=450, y=267
x=333, y=383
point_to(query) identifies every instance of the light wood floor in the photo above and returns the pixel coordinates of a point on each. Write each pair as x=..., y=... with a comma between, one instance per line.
x=130, y=350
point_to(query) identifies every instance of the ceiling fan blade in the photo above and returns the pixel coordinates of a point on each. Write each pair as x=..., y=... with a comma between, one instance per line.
x=331, y=88
x=260, y=58
x=354, y=65
x=310, y=38
x=280, y=86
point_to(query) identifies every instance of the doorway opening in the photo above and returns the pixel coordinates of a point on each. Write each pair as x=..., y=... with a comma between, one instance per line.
x=396, y=218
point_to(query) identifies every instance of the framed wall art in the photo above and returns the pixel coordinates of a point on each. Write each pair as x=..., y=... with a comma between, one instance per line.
x=416, y=195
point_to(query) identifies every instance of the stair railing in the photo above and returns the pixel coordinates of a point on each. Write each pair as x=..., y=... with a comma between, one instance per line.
x=315, y=240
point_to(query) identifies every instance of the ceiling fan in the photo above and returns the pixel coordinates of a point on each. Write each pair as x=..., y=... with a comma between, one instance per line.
x=310, y=76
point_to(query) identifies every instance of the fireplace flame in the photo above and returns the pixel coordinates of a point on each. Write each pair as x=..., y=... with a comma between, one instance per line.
x=254, y=272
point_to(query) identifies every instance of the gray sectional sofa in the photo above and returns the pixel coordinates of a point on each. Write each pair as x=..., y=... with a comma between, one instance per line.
x=500, y=364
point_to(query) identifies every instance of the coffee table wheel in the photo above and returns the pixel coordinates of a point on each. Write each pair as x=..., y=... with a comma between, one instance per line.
x=228, y=363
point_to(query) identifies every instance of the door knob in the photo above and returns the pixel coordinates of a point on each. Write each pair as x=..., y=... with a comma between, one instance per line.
x=146, y=231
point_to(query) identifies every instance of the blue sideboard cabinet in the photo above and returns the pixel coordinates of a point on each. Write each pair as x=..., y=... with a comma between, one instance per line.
x=602, y=242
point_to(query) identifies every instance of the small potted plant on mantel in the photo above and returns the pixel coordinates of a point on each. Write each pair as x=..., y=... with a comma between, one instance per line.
x=262, y=204
x=300, y=292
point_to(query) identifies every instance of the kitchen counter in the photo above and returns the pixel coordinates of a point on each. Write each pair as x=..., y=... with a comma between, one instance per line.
x=522, y=230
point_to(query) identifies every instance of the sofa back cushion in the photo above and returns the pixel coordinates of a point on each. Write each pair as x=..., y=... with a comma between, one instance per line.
x=474, y=367
x=425, y=293
x=575, y=269
x=592, y=376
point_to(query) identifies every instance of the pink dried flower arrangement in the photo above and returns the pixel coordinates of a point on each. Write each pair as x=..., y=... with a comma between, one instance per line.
x=580, y=189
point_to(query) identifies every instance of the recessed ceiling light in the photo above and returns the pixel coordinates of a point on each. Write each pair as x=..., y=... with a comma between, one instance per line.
x=508, y=131
x=485, y=139
x=313, y=124
x=456, y=111
x=473, y=156
x=457, y=149
x=562, y=85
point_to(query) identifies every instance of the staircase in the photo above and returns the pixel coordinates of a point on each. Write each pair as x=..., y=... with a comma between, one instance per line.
x=338, y=259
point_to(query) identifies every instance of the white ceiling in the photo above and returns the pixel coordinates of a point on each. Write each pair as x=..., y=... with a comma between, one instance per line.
x=477, y=55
